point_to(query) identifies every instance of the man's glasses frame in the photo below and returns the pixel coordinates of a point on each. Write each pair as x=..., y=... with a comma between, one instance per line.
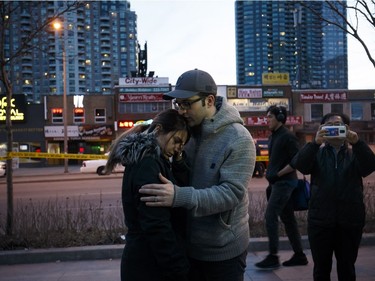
x=185, y=105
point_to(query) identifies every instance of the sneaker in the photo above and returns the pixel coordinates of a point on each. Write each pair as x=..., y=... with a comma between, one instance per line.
x=296, y=259
x=270, y=262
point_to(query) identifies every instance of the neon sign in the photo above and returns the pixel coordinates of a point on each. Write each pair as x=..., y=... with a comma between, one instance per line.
x=17, y=108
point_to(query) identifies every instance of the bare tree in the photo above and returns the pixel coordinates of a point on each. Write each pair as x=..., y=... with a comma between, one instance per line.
x=362, y=11
x=8, y=55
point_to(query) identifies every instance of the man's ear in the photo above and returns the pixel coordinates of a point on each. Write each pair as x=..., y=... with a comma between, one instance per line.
x=211, y=100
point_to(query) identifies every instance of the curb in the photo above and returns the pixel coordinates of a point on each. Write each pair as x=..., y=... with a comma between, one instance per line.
x=102, y=252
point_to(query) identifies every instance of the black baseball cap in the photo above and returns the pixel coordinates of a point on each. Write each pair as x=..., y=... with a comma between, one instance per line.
x=191, y=83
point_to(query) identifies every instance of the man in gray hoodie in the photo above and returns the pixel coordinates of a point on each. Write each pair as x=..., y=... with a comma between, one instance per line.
x=221, y=157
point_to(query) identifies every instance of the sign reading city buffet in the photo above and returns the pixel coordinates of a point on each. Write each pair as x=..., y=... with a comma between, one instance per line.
x=143, y=81
x=323, y=97
x=18, y=105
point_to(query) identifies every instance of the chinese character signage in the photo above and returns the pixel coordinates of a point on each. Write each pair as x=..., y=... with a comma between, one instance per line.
x=323, y=97
x=275, y=78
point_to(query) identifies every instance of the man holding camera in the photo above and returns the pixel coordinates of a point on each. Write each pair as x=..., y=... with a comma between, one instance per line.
x=337, y=160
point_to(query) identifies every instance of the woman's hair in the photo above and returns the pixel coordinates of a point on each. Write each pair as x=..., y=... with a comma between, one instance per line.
x=169, y=120
x=345, y=118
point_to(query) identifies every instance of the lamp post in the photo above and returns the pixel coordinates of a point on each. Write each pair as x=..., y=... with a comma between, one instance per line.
x=58, y=27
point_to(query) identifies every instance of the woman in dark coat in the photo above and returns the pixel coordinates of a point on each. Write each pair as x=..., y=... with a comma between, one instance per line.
x=154, y=247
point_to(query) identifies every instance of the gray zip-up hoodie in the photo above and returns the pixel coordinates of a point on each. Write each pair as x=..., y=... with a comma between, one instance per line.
x=222, y=158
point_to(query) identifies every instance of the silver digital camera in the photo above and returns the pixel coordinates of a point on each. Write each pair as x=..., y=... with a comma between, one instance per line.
x=335, y=131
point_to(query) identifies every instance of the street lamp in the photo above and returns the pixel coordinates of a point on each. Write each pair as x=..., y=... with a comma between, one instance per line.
x=58, y=27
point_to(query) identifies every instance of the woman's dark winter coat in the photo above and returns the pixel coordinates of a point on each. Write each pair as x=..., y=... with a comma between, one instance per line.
x=154, y=247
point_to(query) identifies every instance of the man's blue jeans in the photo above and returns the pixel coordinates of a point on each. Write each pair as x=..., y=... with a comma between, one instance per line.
x=281, y=205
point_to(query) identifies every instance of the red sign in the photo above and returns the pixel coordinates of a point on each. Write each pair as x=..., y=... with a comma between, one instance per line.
x=262, y=120
x=257, y=121
x=141, y=98
x=323, y=97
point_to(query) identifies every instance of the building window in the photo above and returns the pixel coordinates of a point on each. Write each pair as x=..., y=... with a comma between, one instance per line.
x=100, y=116
x=79, y=115
x=57, y=115
x=316, y=112
x=337, y=108
x=373, y=111
x=356, y=111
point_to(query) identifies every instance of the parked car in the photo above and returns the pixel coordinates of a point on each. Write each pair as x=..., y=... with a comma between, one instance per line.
x=97, y=166
x=3, y=169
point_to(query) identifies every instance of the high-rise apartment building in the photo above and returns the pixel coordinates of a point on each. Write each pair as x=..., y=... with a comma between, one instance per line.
x=99, y=39
x=284, y=37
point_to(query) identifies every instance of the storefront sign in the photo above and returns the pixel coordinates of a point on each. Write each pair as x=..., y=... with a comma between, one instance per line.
x=262, y=120
x=144, y=89
x=18, y=105
x=324, y=97
x=271, y=93
x=249, y=93
x=255, y=105
x=58, y=131
x=141, y=98
x=275, y=78
x=143, y=81
x=82, y=132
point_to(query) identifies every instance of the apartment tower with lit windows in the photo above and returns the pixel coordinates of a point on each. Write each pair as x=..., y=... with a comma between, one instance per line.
x=100, y=42
x=284, y=37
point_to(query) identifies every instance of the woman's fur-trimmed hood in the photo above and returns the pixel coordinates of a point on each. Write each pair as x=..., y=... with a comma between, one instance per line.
x=132, y=148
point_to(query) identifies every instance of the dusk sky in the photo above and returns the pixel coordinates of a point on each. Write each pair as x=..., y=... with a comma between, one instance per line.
x=183, y=35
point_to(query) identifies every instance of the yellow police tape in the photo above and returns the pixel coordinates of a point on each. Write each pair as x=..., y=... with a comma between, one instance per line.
x=53, y=155
x=72, y=156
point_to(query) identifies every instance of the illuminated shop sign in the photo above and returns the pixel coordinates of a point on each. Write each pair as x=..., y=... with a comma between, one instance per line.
x=17, y=108
x=141, y=98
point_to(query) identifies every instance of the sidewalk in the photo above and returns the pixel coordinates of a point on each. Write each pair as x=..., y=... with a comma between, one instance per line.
x=109, y=269
x=103, y=262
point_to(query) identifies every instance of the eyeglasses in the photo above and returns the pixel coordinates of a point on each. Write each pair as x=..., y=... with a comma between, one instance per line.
x=185, y=105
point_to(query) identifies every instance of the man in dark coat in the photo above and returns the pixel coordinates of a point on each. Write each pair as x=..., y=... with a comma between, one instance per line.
x=336, y=215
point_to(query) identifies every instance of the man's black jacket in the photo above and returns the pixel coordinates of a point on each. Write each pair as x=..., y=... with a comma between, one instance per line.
x=336, y=182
